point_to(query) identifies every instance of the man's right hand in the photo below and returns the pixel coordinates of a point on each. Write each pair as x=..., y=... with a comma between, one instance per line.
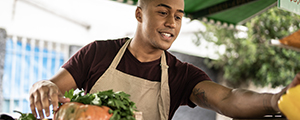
x=42, y=94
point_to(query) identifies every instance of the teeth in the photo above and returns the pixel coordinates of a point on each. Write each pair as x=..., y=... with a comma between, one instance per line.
x=166, y=34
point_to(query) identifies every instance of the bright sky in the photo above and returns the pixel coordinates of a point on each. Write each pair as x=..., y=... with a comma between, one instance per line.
x=108, y=20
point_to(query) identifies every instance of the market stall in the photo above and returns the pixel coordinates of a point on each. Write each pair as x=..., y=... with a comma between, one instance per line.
x=292, y=41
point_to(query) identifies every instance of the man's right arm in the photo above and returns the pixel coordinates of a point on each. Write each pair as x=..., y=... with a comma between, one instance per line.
x=44, y=93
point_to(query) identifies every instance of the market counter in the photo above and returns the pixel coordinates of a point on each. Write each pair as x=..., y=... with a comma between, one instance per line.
x=268, y=117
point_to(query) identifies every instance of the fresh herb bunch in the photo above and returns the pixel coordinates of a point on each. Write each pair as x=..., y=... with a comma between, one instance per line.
x=121, y=106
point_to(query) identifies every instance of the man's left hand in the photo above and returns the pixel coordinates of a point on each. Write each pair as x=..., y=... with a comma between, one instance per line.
x=276, y=97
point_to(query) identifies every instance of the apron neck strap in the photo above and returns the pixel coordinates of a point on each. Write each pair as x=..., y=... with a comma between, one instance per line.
x=121, y=52
x=119, y=55
x=164, y=98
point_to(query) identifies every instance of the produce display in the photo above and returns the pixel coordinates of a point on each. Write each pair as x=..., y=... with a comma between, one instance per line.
x=79, y=111
x=289, y=103
x=104, y=105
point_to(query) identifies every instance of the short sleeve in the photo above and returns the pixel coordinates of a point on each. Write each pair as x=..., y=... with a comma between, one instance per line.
x=195, y=76
x=79, y=64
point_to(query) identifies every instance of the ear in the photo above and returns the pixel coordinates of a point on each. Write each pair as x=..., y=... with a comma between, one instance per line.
x=138, y=14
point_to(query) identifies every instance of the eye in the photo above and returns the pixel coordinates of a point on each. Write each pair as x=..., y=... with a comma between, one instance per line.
x=163, y=13
x=177, y=18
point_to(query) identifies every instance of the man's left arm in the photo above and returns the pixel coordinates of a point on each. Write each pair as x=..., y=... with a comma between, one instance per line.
x=237, y=103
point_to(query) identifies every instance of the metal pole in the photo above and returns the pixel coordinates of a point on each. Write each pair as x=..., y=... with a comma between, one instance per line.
x=2, y=57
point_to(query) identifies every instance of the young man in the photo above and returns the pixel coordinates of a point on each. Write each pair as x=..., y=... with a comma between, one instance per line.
x=157, y=82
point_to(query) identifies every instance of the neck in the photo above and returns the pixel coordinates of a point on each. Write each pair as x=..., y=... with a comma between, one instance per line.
x=142, y=52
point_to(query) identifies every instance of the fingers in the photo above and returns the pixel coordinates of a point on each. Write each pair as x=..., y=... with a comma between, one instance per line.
x=64, y=100
x=45, y=101
x=296, y=81
x=39, y=101
x=54, y=96
x=32, y=105
x=36, y=104
x=42, y=96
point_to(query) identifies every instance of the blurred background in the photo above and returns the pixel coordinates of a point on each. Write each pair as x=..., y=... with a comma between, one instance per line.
x=233, y=48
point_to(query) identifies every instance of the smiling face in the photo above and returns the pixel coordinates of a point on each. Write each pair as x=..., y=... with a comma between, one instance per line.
x=159, y=22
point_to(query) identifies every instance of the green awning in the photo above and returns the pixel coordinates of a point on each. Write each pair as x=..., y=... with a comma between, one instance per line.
x=222, y=12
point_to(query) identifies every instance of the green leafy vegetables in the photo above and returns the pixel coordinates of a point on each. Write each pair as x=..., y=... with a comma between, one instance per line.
x=121, y=106
x=25, y=116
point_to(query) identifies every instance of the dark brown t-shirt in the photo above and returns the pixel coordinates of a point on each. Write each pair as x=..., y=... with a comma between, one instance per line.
x=91, y=61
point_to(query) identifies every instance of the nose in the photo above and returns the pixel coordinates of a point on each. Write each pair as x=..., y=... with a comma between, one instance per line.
x=170, y=22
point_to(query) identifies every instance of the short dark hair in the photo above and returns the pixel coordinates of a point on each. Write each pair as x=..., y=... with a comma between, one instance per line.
x=143, y=3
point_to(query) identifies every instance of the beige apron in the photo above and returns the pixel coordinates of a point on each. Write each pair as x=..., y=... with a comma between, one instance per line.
x=152, y=98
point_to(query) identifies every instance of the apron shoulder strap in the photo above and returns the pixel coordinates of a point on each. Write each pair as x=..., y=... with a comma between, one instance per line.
x=119, y=55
